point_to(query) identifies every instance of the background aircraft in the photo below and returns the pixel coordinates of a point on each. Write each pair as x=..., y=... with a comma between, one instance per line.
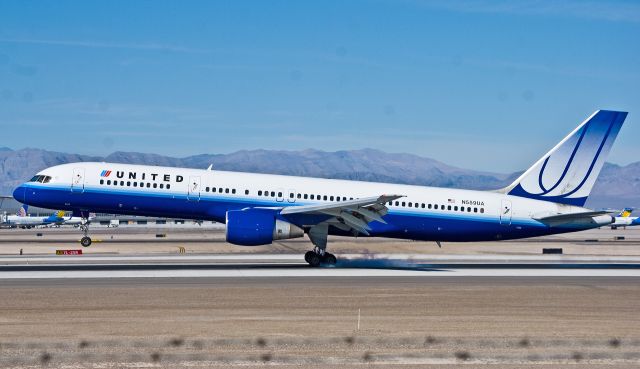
x=24, y=220
x=624, y=219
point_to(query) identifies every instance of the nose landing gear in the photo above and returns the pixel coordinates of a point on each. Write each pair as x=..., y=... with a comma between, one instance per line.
x=85, y=241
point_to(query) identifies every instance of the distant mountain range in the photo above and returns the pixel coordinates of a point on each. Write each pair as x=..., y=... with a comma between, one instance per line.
x=617, y=186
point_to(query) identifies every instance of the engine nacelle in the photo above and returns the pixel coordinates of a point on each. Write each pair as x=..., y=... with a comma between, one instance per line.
x=254, y=227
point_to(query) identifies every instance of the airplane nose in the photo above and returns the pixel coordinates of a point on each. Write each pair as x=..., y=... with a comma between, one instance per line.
x=19, y=194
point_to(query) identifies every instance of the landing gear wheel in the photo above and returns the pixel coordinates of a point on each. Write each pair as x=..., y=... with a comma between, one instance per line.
x=308, y=255
x=329, y=259
x=85, y=241
x=314, y=259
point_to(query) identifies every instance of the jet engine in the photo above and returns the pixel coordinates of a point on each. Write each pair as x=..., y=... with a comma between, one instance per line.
x=254, y=227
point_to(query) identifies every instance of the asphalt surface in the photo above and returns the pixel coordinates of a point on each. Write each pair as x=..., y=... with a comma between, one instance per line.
x=138, y=302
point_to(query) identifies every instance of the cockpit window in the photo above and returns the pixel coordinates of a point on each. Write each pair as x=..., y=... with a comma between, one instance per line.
x=41, y=179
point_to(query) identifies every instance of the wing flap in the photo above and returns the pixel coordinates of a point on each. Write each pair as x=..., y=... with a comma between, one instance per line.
x=353, y=215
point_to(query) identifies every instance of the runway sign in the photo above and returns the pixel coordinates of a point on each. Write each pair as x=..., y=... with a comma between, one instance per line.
x=68, y=252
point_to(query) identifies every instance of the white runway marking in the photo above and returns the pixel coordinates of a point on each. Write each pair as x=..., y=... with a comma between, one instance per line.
x=292, y=266
x=319, y=272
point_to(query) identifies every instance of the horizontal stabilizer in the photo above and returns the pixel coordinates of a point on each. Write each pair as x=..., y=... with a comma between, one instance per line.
x=600, y=217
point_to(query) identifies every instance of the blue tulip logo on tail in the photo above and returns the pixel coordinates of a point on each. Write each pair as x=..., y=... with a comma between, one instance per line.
x=566, y=174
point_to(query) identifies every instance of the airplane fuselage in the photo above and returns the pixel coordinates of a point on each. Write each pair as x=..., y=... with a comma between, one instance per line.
x=424, y=213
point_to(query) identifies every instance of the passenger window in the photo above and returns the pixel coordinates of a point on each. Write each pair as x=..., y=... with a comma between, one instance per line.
x=482, y=210
x=260, y=193
x=168, y=186
x=344, y=198
x=102, y=181
x=397, y=203
x=416, y=205
x=324, y=197
x=449, y=207
x=273, y=194
x=410, y=205
x=161, y=185
x=279, y=194
x=331, y=198
x=429, y=206
x=404, y=204
x=300, y=196
x=305, y=196
x=135, y=184
x=141, y=184
x=220, y=189
x=108, y=181
x=291, y=195
x=338, y=198
x=475, y=210
x=226, y=190
x=312, y=197
x=469, y=210
x=454, y=208
x=246, y=192
x=233, y=191
x=121, y=183
x=128, y=183
x=155, y=185
x=148, y=185
x=462, y=208
x=206, y=189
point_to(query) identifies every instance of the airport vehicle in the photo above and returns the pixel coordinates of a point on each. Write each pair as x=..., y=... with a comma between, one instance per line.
x=24, y=220
x=624, y=219
x=259, y=208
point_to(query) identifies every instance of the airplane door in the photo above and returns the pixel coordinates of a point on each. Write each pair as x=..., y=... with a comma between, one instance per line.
x=291, y=196
x=77, y=181
x=193, y=192
x=505, y=212
x=280, y=195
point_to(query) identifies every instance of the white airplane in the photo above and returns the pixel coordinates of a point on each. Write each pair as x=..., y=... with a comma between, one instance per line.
x=24, y=220
x=624, y=219
x=75, y=221
x=260, y=208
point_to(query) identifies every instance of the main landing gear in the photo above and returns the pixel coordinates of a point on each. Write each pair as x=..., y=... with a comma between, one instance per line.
x=85, y=241
x=315, y=259
x=318, y=236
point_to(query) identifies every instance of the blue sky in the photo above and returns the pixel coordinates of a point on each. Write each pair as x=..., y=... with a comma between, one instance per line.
x=489, y=85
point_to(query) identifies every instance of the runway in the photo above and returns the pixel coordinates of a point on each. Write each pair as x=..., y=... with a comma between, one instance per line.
x=291, y=266
x=134, y=301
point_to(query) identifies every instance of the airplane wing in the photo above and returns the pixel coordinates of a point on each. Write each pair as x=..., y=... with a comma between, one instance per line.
x=353, y=215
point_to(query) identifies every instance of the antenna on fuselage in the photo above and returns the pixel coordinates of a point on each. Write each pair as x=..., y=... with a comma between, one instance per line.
x=210, y=167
